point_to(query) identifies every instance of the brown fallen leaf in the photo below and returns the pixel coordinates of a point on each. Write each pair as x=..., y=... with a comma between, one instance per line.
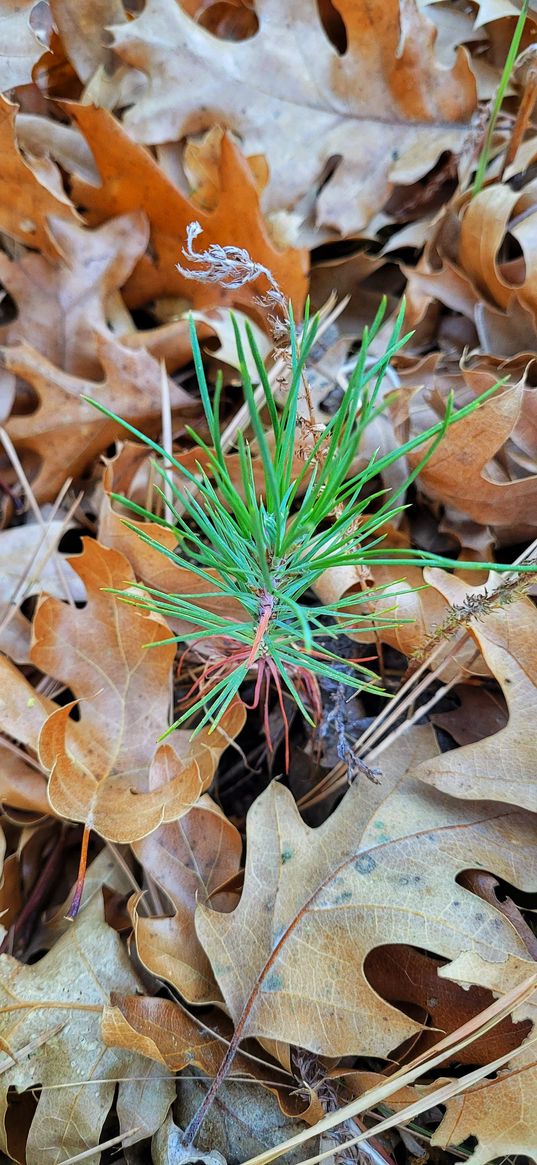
x=65, y=433
x=502, y=767
x=50, y=1015
x=28, y=193
x=411, y=979
x=480, y=713
x=457, y=473
x=167, y=1033
x=61, y=305
x=20, y=47
x=384, y=863
x=29, y=564
x=132, y=180
x=499, y=1112
x=81, y=31
x=485, y=221
x=107, y=770
x=149, y=563
x=188, y=860
x=315, y=106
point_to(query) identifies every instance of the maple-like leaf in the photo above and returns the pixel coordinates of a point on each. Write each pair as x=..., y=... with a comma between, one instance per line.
x=28, y=193
x=61, y=304
x=132, y=180
x=107, y=770
x=50, y=1014
x=502, y=767
x=188, y=859
x=385, y=109
x=29, y=564
x=289, y=959
x=65, y=432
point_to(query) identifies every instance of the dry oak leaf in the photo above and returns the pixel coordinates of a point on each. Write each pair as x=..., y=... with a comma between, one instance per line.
x=502, y=767
x=405, y=612
x=66, y=433
x=289, y=959
x=61, y=304
x=50, y=1025
x=385, y=109
x=188, y=860
x=82, y=31
x=458, y=473
x=107, y=770
x=499, y=1112
x=20, y=48
x=168, y=1033
x=131, y=180
x=23, y=712
x=28, y=193
x=485, y=222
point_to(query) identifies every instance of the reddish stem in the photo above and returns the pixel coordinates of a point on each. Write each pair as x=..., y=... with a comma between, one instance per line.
x=79, y=887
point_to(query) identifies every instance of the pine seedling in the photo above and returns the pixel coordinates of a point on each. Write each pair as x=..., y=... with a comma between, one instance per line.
x=267, y=550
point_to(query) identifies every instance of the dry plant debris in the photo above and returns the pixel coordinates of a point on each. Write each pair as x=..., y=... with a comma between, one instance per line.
x=291, y=939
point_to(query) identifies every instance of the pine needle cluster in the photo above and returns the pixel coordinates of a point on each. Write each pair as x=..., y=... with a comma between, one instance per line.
x=267, y=549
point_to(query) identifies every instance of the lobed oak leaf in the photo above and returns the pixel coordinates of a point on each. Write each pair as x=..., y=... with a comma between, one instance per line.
x=458, y=474
x=289, y=959
x=107, y=770
x=65, y=433
x=290, y=95
x=81, y=31
x=131, y=179
x=188, y=860
x=28, y=193
x=498, y=1112
x=61, y=304
x=50, y=1015
x=20, y=46
x=502, y=767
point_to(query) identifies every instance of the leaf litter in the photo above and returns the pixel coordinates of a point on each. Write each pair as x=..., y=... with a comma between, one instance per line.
x=267, y=951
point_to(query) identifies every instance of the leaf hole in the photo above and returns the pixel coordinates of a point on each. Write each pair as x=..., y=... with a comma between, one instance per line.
x=334, y=25
x=232, y=20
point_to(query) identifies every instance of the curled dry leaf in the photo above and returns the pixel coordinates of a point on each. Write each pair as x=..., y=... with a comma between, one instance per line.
x=61, y=304
x=28, y=193
x=188, y=859
x=65, y=433
x=107, y=770
x=485, y=221
x=167, y=1033
x=300, y=118
x=457, y=473
x=289, y=959
x=132, y=180
x=50, y=1015
x=502, y=767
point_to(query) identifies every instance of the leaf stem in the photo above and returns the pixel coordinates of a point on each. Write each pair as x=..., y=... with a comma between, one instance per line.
x=79, y=886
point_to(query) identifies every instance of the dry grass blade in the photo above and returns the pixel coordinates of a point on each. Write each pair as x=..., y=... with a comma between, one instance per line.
x=408, y=1075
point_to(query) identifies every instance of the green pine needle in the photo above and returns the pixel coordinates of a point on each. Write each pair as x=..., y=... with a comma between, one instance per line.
x=265, y=552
